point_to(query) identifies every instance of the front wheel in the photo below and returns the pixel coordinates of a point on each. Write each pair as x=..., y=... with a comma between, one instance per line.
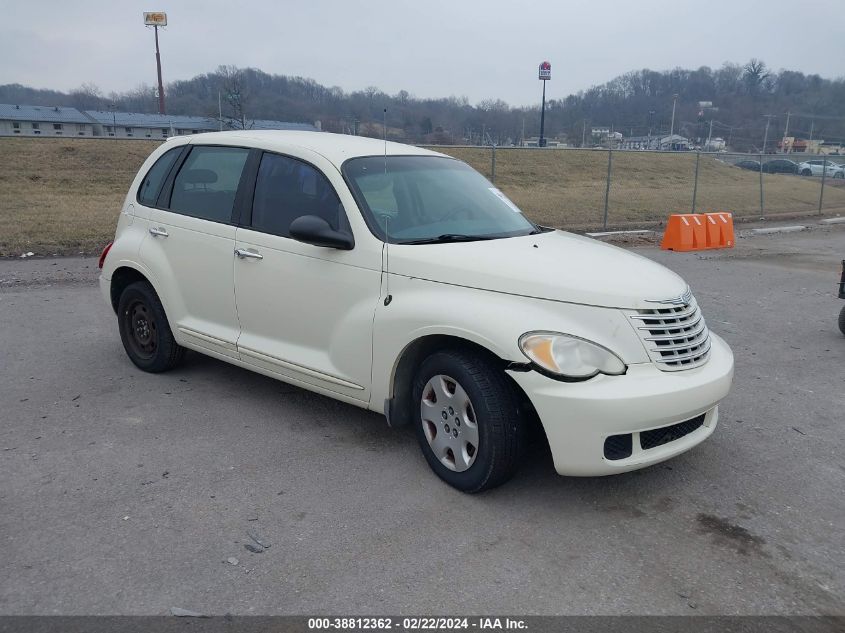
x=469, y=425
x=144, y=329
x=806, y=172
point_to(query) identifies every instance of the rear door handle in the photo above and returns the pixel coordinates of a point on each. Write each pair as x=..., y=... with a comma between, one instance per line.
x=158, y=230
x=244, y=253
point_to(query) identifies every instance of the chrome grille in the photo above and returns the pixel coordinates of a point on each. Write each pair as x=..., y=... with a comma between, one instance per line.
x=675, y=336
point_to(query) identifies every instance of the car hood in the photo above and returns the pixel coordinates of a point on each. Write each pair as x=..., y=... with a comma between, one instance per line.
x=555, y=265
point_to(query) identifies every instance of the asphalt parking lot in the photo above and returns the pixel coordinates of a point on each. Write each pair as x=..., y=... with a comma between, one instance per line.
x=128, y=493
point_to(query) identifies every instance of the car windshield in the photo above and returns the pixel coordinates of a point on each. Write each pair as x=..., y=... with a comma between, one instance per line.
x=429, y=199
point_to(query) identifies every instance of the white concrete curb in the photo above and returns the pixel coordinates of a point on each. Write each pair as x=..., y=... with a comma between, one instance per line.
x=777, y=229
x=606, y=233
x=839, y=220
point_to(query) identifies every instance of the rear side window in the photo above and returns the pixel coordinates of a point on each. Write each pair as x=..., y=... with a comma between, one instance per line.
x=286, y=189
x=207, y=182
x=151, y=185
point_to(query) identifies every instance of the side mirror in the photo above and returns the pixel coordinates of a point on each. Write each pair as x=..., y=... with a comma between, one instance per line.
x=313, y=229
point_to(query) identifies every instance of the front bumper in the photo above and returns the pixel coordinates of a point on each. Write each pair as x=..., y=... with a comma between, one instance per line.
x=578, y=417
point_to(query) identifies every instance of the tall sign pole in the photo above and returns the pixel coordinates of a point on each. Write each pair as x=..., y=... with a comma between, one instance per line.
x=545, y=75
x=155, y=20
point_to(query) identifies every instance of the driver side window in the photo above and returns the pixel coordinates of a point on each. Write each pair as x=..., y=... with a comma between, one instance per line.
x=286, y=189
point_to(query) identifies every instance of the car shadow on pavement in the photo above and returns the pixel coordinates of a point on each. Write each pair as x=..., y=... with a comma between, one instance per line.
x=362, y=430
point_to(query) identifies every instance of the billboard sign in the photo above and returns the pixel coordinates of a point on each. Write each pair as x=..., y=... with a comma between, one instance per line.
x=545, y=71
x=156, y=18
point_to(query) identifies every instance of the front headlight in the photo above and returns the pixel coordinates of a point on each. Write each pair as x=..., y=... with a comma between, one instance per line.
x=569, y=356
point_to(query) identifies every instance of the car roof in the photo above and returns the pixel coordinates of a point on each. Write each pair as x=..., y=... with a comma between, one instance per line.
x=335, y=147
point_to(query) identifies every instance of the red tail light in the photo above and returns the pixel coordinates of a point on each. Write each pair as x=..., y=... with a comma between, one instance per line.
x=104, y=253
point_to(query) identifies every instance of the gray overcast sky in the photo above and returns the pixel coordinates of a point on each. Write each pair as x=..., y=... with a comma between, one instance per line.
x=431, y=48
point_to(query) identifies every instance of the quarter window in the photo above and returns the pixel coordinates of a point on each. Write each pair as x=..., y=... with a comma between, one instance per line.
x=286, y=189
x=206, y=185
x=150, y=186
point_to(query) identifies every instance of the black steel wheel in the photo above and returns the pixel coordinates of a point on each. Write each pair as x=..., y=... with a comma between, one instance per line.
x=144, y=329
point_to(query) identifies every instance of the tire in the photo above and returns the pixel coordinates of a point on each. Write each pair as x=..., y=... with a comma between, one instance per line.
x=839, y=175
x=842, y=321
x=806, y=172
x=145, y=331
x=467, y=420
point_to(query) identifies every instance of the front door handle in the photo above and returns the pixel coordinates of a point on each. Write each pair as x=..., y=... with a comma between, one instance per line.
x=244, y=253
x=158, y=230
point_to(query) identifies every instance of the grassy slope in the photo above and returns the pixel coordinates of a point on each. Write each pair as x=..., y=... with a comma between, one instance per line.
x=567, y=188
x=63, y=195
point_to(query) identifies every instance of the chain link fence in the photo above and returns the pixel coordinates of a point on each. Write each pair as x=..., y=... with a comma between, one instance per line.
x=601, y=188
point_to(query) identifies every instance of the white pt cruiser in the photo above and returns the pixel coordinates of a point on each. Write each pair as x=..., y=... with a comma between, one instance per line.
x=400, y=280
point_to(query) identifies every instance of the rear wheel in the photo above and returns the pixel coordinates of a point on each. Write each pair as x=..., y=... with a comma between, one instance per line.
x=144, y=329
x=468, y=425
x=842, y=321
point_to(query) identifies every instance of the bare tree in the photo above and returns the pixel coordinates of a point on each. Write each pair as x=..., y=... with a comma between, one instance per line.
x=235, y=94
x=755, y=76
x=87, y=97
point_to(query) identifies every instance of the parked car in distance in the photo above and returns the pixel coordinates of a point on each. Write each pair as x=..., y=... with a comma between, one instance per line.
x=780, y=166
x=749, y=164
x=814, y=168
x=400, y=280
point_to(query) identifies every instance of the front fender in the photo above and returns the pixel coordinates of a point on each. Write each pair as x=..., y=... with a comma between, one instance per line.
x=493, y=320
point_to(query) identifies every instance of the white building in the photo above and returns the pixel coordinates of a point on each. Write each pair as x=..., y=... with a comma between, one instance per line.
x=27, y=120
x=658, y=142
x=136, y=125
x=716, y=144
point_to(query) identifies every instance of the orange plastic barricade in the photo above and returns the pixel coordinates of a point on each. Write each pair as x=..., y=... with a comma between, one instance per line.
x=720, y=229
x=685, y=232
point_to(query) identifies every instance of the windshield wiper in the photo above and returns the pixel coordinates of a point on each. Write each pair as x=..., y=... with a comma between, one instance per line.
x=449, y=237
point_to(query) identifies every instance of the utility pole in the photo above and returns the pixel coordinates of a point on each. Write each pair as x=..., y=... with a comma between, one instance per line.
x=785, y=133
x=710, y=134
x=812, y=123
x=650, y=118
x=672, y=127
x=220, y=110
x=766, y=133
x=583, y=132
